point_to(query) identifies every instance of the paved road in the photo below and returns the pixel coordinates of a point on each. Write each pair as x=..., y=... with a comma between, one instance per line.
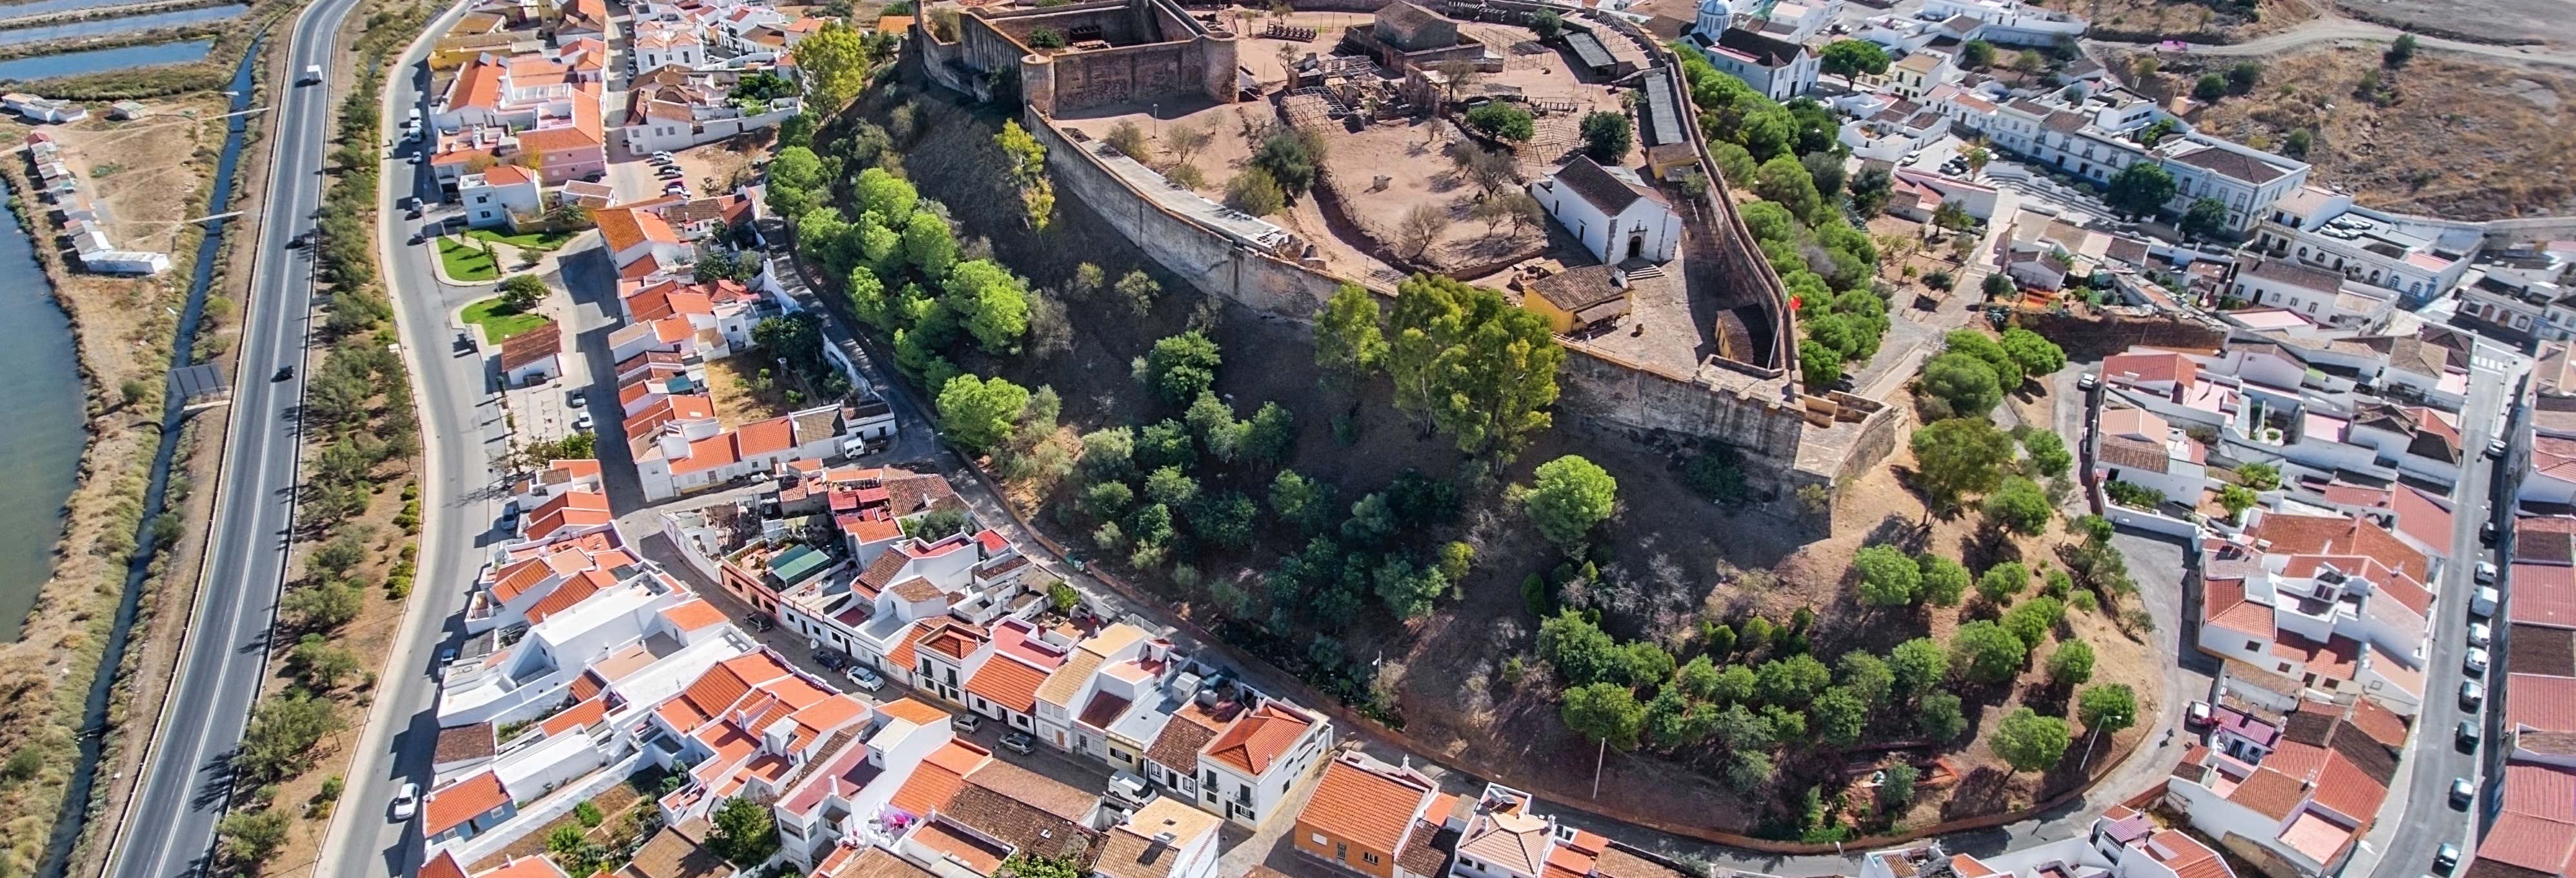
x=187, y=782
x=2425, y=818
x=462, y=431
x=2332, y=28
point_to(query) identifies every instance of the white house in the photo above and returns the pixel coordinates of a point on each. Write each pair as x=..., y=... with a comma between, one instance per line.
x=1164, y=839
x=2323, y=228
x=533, y=356
x=640, y=242
x=1612, y=212
x=2322, y=296
x=663, y=44
x=2137, y=447
x=43, y=109
x=499, y=195
x=1917, y=74
x=1777, y=67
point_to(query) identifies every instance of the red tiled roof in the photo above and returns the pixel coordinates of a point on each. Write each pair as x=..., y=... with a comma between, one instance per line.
x=2540, y=702
x=450, y=806
x=2150, y=367
x=1008, y=682
x=2347, y=790
x=2544, y=595
x=2326, y=535
x=2223, y=604
x=766, y=437
x=1371, y=809
x=1251, y=745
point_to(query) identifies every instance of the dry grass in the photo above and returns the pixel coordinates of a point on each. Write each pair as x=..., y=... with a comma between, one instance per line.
x=2217, y=21
x=730, y=384
x=2462, y=139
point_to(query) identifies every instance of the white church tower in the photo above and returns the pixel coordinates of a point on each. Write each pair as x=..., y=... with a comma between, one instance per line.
x=1715, y=16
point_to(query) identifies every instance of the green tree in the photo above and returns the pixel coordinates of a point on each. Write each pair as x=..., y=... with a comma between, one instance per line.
x=1839, y=716
x=1784, y=181
x=1792, y=681
x=1301, y=501
x=2211, y=87
x=2019, y=506
x=835, y=62
x=1887, y=577
x=980, y=413
x=2048, y=454
x=1472, y=364
x=796, y=182
x=928, y=245
x=2031, y=620
x=321, y=663
x=1919, y=664
x=1944, y=580
x=2030, y=742
x=2400, y=51
x=1750, y=771
x=2141, y=189
x=2259, y=476
x=1966, y=386
x=743, y=832
x=1291, y=158
x=284, y=731
x=2071, y=664
x=1255, y=192
x=1606, y=136
x=248, y=837
x=1349, y=343
x=1940, y=717
x=2035, y=354
x=2237, y=499
x=1571, y=495
x=1977, y=54
x=1578, y=649
x=1847, y=58
x=1897, y=789
x=1605, y=712
x=520, y=292
x=2002, y=581
x=1987, y=652
x=1547, y=23
x=2108, y=708
x=1959, y=456
x=1180, y=367
x=1867, y=676
x=879, y=193
x=2206, y=218
x=2242, y=76
x=1502, y=121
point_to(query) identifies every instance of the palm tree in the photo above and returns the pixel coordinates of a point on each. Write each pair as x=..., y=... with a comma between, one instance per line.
x=1977, y=157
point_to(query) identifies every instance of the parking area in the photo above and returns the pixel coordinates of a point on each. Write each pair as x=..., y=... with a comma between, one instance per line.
x=540, y=412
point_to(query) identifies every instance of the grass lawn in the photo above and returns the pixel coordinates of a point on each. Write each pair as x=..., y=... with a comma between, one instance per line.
x=499, y=321
x=465, y=262
x=528, y=241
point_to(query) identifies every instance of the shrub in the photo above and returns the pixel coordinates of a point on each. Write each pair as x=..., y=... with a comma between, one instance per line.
x=1503, y=121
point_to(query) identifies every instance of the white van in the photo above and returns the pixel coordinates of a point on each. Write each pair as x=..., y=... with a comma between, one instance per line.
x=312, y=74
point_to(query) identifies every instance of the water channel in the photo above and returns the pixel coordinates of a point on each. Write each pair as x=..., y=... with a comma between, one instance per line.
x=103, y=60
x=125, y=24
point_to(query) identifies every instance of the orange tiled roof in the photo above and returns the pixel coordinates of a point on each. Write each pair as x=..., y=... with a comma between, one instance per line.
x=1251, y=745
x=766, y=437
x=1371, y=809
x=1008, y=682
x=450, y=806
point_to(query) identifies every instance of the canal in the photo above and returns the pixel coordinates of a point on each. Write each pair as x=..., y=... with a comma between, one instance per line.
x=90, y=61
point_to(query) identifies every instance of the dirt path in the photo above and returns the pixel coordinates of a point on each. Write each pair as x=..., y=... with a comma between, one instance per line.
x=2334, y=28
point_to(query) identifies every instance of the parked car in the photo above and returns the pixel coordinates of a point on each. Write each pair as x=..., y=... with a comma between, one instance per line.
x=663, y=155
x=1020, y=742
x=2479, y=634
x=832, y=659
x=2486, y=573
x=2496, y=449
x=420, y=237
x=2472, y=694
x=965, y=723
x=2483, y=601
x=2088, y=382
x=2487, y=532
x=758, y=622
x=2466, y=735
x=406, y=801
x=510, y=515
x=865, y=678
x=579, y=399
x=1127, y=789
x=582, y=422
x=2197, y=714
x=464, y=341
x=2446, y=857
x=2462, y=792
x=2475, y=660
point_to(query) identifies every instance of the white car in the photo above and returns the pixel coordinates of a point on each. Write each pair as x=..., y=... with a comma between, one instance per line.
x=2486, y=572
x=2476, y=660
x=2483, y=601
x=2479, y=634
x=865, y=679
x=1127, y=788
x=406, y=801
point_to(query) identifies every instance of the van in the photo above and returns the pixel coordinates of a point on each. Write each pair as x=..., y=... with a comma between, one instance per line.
x=2483, y=601
x=312, y=74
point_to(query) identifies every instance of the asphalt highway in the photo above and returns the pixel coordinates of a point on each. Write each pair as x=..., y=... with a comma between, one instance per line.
x=187, y=782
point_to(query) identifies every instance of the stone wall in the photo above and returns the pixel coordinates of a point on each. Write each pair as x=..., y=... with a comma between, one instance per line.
x=1633, y=395
x=1216, y=264
x=1159, y=52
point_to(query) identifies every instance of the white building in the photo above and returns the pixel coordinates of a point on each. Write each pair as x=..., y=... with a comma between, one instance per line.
x=2324, y=229
x=1613, y=213
x=2102, y=133
x=2322, y=296
x=1776, y=67
x=499, y=196
x=1164, y=839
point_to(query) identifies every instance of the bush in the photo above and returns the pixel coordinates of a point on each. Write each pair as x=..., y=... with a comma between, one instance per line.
x=1255, y=192
x=1606, y=136
x=2132, y=494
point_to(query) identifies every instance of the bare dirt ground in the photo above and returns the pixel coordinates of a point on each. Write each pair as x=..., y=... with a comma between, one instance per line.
x=2217, y=21
x=2489, y=21
x=2462, y=139
x=716, y=167
x=1407, y=157
x=135, y=165
x=731, y=382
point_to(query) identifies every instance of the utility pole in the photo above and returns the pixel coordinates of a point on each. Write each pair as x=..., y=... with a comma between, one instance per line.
x=1603, y=755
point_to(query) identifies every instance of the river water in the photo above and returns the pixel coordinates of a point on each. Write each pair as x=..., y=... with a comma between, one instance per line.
x=91, y=61
x=42, y=435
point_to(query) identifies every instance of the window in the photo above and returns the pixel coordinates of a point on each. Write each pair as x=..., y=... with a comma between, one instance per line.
x=1317, y=837
x=1341, y=851
x=1371, y=858
x=2253, y=646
